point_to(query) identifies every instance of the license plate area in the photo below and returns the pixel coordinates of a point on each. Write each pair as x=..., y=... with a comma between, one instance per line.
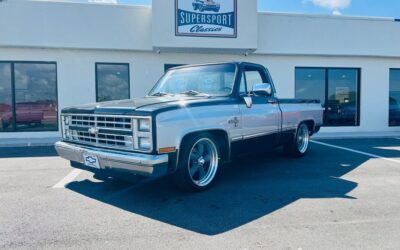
x=91, y=161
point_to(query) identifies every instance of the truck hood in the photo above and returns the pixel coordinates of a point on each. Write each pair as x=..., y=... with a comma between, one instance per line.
x=144, y=106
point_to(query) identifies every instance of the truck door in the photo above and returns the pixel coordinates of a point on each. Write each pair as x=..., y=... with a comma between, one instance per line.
x=264, y=117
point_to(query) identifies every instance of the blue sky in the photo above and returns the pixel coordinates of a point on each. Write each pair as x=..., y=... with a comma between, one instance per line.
x=388, y=8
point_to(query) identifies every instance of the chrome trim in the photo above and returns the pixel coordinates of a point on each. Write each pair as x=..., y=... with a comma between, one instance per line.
x=130, y=141
x=110, y=159
x=259, y=134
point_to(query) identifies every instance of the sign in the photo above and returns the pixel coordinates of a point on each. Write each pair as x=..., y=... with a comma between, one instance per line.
x=206, y=18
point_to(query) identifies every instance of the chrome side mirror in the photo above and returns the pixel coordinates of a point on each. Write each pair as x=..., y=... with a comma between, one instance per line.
x=262, y=89
x=249, y=101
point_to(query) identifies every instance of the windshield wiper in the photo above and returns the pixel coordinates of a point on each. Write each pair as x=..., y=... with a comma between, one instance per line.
x=160, y=94
x=194, y=93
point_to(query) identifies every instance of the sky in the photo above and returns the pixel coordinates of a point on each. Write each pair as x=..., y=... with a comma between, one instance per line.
x=383, y=8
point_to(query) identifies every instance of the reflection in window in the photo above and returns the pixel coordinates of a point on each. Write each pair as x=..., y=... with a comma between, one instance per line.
x=337, y=89
x=35, y=95
x=394, y=98
x=112, y=82
x=6, y=113
x=310, y=84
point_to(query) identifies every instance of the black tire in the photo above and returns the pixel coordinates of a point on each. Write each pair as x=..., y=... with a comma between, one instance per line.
x=101, y=176
x=189, y=169
x=295, y=148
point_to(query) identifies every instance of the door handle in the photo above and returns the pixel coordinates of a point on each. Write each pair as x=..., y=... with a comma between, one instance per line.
x=272, y=101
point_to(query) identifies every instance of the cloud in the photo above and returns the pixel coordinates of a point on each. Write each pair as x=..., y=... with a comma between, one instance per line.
x=332, y=4
x=103, y=1
x=337, y=13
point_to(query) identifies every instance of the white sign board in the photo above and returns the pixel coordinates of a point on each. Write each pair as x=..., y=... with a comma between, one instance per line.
x=206, y=18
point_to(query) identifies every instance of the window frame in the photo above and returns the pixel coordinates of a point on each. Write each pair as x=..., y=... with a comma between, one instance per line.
x=13, y=97
x=97, y=78
x=358, y=101
x=390, y=71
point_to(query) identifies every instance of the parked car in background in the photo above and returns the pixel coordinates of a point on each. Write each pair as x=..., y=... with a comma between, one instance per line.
x=194, y=119
x=206, y=5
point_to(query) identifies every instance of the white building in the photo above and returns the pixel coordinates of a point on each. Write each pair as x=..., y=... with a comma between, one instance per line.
x=55, y=54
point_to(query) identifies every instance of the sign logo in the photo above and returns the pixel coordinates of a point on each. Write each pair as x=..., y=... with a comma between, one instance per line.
x=206, y=18
x=93, y=131
x=91, y=159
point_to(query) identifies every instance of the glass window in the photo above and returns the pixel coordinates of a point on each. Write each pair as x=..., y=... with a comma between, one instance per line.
x=6, y=108
x=252, y=77
x=215, y=80
x=36, y=96
x=342, y=108
x=337, y=89
x=112, y=82
x=310, y=84
x=394, y=98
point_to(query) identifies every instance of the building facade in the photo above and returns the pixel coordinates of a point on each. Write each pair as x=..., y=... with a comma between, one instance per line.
x=58, y=54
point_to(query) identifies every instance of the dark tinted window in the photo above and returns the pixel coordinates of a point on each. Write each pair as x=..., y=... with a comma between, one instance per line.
x=310, y=84
x=337, y=89
x=6, y=108
x=394, y=98
x=112, y=82
x=35, y=96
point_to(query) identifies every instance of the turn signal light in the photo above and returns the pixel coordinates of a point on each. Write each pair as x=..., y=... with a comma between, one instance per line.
x=167, y=150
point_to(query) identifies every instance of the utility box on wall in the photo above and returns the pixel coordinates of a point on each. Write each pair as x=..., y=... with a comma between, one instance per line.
x=220, y=26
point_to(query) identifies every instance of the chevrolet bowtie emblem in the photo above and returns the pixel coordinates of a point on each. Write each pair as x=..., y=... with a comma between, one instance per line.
x=93, y=131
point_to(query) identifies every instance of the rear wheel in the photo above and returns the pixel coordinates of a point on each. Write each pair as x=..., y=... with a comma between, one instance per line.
x=198, y=163
x=298, y=146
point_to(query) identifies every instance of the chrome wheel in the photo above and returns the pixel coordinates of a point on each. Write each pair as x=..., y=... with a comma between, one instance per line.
x=203, y=162
x=303, y=138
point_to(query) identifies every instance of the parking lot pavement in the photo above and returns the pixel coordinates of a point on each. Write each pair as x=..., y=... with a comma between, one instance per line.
x=343, y=194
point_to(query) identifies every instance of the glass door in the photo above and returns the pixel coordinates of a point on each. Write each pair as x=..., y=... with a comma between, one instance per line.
x=342, y=97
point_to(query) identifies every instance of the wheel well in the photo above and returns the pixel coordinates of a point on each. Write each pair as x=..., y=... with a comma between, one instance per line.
x=221, y=138
x=310, y=125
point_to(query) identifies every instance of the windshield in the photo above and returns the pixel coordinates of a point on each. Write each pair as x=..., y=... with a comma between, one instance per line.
x=213, y=80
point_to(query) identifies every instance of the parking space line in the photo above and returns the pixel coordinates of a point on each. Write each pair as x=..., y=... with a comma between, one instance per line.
x=357, y=152
x=67, y=179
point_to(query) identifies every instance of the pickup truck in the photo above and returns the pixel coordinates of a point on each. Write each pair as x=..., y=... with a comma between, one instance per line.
x=195, y=119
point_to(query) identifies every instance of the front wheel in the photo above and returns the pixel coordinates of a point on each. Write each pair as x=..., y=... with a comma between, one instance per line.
x=198, y=163
x=298, y=146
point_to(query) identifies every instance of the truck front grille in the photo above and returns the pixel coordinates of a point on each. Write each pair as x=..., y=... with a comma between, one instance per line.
x=104, y=131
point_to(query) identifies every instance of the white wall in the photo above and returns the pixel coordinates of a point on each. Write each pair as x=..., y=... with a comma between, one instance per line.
x=297, y=34
x=75, y=25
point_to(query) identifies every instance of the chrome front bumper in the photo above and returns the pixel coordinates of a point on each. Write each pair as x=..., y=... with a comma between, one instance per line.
x=140, y=164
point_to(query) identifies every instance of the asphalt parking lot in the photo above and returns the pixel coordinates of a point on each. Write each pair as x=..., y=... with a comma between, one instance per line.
x=345, y=195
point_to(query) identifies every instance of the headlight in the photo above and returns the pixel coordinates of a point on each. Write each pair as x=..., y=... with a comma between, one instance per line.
x=67, y=134
x=66, y=120
x=144, y=125
x=144, y=143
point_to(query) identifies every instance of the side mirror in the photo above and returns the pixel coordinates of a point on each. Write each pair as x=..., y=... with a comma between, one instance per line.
x=249, y=101
x=262, y=89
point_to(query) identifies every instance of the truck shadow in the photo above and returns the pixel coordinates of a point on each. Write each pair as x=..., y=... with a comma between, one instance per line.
x=248, y=189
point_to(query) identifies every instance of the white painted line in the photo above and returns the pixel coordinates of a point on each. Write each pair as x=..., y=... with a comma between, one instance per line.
x=357, y=152
x=67, y=179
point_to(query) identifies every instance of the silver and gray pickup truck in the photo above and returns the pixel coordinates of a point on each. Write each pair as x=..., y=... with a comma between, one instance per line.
x=195, y=118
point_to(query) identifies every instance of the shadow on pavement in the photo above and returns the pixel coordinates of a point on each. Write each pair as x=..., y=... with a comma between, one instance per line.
x=15, y=152
x=246, y=190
